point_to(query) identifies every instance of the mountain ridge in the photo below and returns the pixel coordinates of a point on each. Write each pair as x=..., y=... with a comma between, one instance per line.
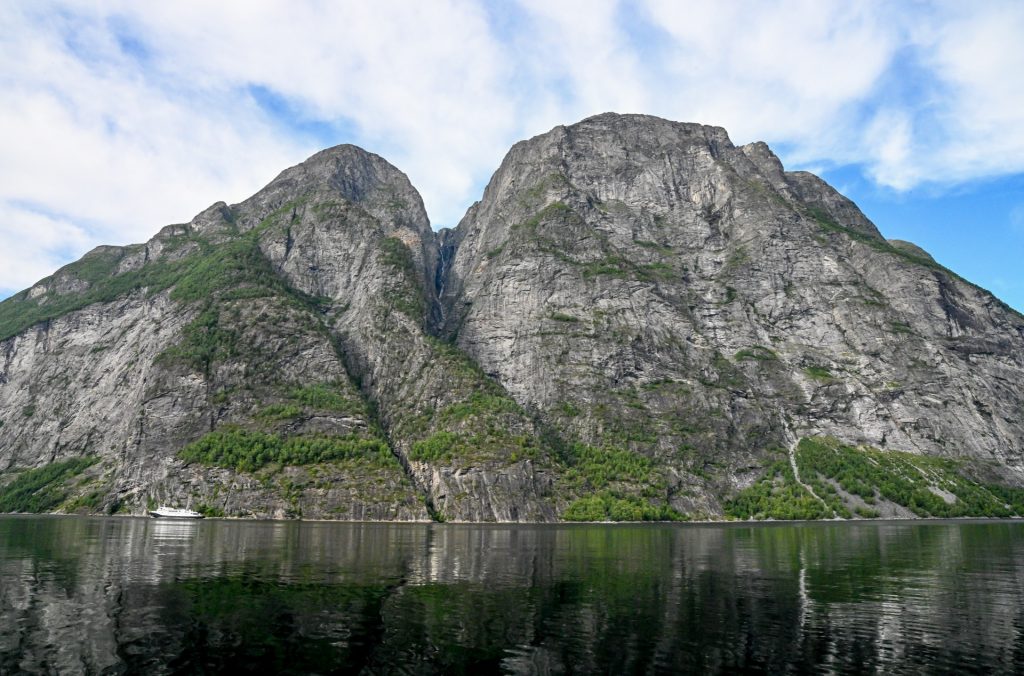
x=633, y=321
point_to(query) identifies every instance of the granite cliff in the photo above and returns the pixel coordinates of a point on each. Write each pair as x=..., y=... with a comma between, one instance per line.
x=639, y=320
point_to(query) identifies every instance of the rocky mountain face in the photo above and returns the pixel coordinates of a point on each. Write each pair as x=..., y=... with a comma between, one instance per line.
x=638, y=320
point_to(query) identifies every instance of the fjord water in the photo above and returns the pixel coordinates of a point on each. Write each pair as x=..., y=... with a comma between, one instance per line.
x=112, y=595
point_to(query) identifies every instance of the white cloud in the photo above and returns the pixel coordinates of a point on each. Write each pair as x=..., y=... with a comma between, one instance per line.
x=43, y=243
x=423, y=84
x=773, y=70
x=121, y=117
x=889, y=142
x=979, y=57
x=112, y=156
x=580, y=61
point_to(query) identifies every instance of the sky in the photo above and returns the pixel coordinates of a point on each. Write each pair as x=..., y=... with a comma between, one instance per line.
x=120, y=117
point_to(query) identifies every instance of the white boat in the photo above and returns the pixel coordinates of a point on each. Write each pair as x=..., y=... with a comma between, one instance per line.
x=162, y=512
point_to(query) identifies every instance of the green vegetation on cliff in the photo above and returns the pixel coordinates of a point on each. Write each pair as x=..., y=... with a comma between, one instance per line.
x=98, y=282
x=620, y=486
x=607, y=506
x=776, y=495
x=320, y=397
x=42, y=489
x=598, y=467
x=210, y=274
x=205, y=339
x=925, y=485
x=858, y=480
x=235, y=267
x=326, y=397
x=478, y=427
x=247, y=451
x=406, y=293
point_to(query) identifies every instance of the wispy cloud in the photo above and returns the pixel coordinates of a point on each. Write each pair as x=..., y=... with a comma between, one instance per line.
x=120, y=117
x=39, y=243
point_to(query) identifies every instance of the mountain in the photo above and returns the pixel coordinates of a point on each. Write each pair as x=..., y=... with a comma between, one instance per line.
x=639, y=320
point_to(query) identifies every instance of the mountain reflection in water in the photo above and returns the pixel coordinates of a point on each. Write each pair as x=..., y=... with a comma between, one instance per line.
x=111, y=595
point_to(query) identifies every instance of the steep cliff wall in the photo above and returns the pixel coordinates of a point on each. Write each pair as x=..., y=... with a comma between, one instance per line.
x=638, y=320
x=648, y=284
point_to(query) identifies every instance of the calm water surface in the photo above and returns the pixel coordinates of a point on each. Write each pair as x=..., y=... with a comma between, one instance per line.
x=94, y=595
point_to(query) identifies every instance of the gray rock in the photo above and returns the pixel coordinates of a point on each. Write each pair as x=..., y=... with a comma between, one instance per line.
x=694, y=302
x=636, y=310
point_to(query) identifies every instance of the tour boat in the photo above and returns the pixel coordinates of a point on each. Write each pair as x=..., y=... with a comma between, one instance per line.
x=174, y=513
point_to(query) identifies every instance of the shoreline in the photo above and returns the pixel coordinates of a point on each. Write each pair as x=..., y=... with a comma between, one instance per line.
x=703, y=522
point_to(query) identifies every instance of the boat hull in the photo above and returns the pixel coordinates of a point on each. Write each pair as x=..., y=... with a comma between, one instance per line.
x=187, y=517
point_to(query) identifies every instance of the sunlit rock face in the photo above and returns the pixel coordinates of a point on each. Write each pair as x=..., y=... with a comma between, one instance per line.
x=636, y=308
x=649, y=282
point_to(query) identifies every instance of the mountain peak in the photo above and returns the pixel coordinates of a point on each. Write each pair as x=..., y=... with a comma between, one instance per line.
x=351, y=174
x=648, y=123
x=638, y=320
